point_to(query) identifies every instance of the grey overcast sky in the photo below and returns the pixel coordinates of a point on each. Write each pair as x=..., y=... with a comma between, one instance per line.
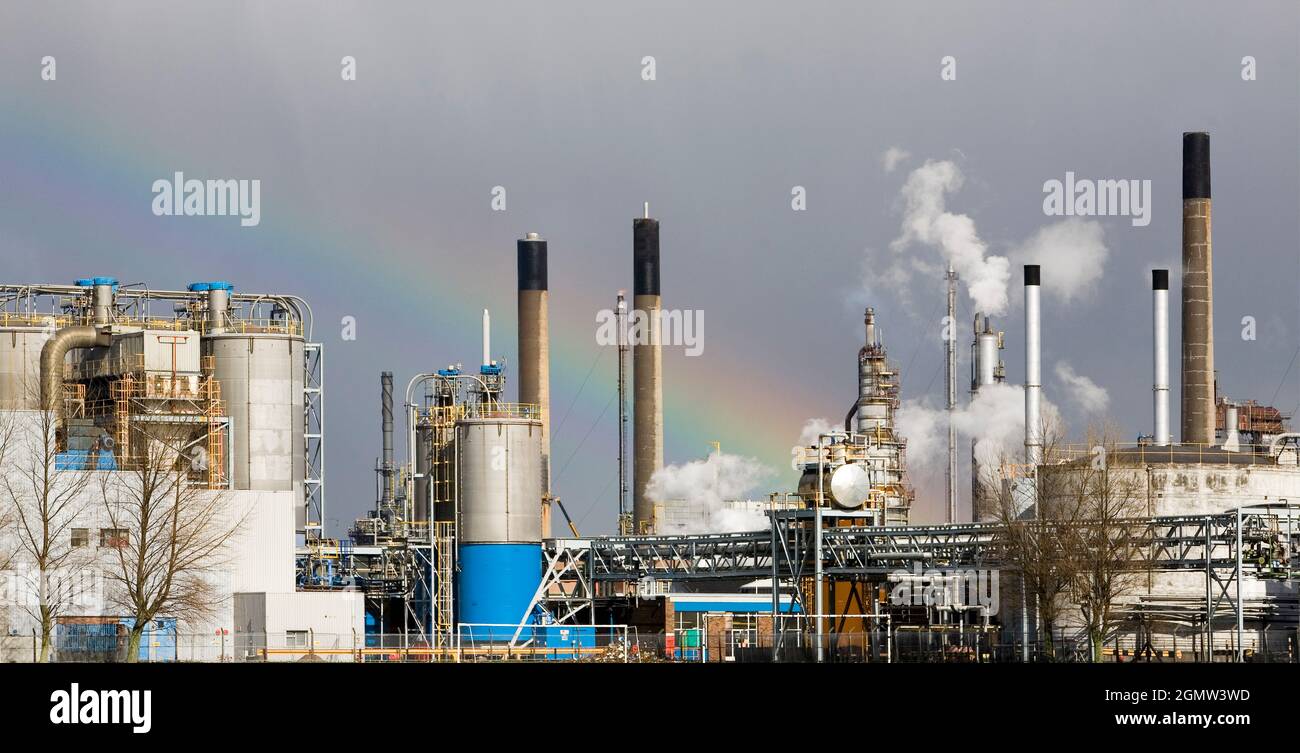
x=376, y=192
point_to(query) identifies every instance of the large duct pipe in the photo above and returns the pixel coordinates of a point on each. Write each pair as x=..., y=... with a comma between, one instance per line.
x=647, y=368
x=53, y=353
x=1160, y=388
x=1198, y=293
x=1033, y=377
x=386, y=413
x=535, y=347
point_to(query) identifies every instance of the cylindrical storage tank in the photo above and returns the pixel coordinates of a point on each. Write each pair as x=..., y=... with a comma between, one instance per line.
x=261, y=377
x=20, y=366
x=423, y=468
x=500, y=494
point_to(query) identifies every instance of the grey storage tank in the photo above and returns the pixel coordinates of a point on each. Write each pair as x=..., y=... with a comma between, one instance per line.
x=499, y=468
x=20, y=363
x=260, y=367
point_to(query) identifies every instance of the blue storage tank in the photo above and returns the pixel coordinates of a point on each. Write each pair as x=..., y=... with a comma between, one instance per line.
x=497, y=583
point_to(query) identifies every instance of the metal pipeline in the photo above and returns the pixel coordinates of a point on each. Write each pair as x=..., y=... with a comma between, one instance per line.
x=56, y=349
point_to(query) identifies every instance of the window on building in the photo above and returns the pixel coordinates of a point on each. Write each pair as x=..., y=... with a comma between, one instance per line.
x=688, y=620
x=80, y=537
x=114, y=537
x=295, y=639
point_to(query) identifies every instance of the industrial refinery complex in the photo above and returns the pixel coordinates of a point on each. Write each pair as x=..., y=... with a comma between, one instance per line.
x=209, y=400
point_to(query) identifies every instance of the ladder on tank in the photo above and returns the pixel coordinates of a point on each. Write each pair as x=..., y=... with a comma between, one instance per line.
x=443, y=559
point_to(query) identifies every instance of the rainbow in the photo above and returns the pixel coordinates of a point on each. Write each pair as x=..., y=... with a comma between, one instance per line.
x=83, y=189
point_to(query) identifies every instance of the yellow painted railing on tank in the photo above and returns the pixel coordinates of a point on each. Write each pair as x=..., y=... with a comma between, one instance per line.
x=10, y=319
x=502, y=410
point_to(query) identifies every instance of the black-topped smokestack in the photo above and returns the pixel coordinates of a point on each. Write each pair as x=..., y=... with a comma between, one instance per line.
x=531, y=253
x=1198, y=294
x=647, y=369
x=1196, y=165
x=535, y=349
x=645, y=257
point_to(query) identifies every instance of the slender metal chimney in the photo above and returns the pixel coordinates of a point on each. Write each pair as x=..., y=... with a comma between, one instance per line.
x=386, y=470
x=535, y=349
x=986, y=370
x=1160, y=388
x=1198, y=293
x=487, y=338
x=1033, y=376
x=624, y=517
x=950, y=358
x=647, y=368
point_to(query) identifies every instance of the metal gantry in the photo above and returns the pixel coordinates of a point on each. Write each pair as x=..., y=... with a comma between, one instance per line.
x=313, y=403
x=1260, y=539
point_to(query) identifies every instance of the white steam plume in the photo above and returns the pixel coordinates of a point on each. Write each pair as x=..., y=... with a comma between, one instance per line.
x=1072, y=253
x=814, y=428
x=995, y=419
x=694, y=494
x=926, y=221
x=1087, y=394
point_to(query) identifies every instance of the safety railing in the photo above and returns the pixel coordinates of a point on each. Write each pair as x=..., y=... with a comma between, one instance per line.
x=1147, y=454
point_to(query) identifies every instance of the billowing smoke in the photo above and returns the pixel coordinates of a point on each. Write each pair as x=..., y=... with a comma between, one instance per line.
x=893, y=157
x=926, y=221
x=1082, y=391
x=694, y=495
x=995, y=419
x=814, y=428
x=1072, y=253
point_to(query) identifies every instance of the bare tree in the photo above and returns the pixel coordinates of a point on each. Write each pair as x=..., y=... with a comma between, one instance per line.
x=46, y=493
x=178, y=532
x=1105, y=493
x=1032, y=531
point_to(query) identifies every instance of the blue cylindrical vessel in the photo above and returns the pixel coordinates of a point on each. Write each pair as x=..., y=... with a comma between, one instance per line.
x=497, y=583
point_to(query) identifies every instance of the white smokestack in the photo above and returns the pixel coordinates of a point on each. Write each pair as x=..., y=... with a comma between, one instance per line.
x=1160, y=389
x=1231, y=439
x=1033, y=376
x=487, y=338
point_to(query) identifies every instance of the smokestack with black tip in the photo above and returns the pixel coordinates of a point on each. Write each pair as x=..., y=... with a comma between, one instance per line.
x=535, y=348
x=647, y=368
x=1160, y=385
x=1033, y=372
x=1198, y=293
